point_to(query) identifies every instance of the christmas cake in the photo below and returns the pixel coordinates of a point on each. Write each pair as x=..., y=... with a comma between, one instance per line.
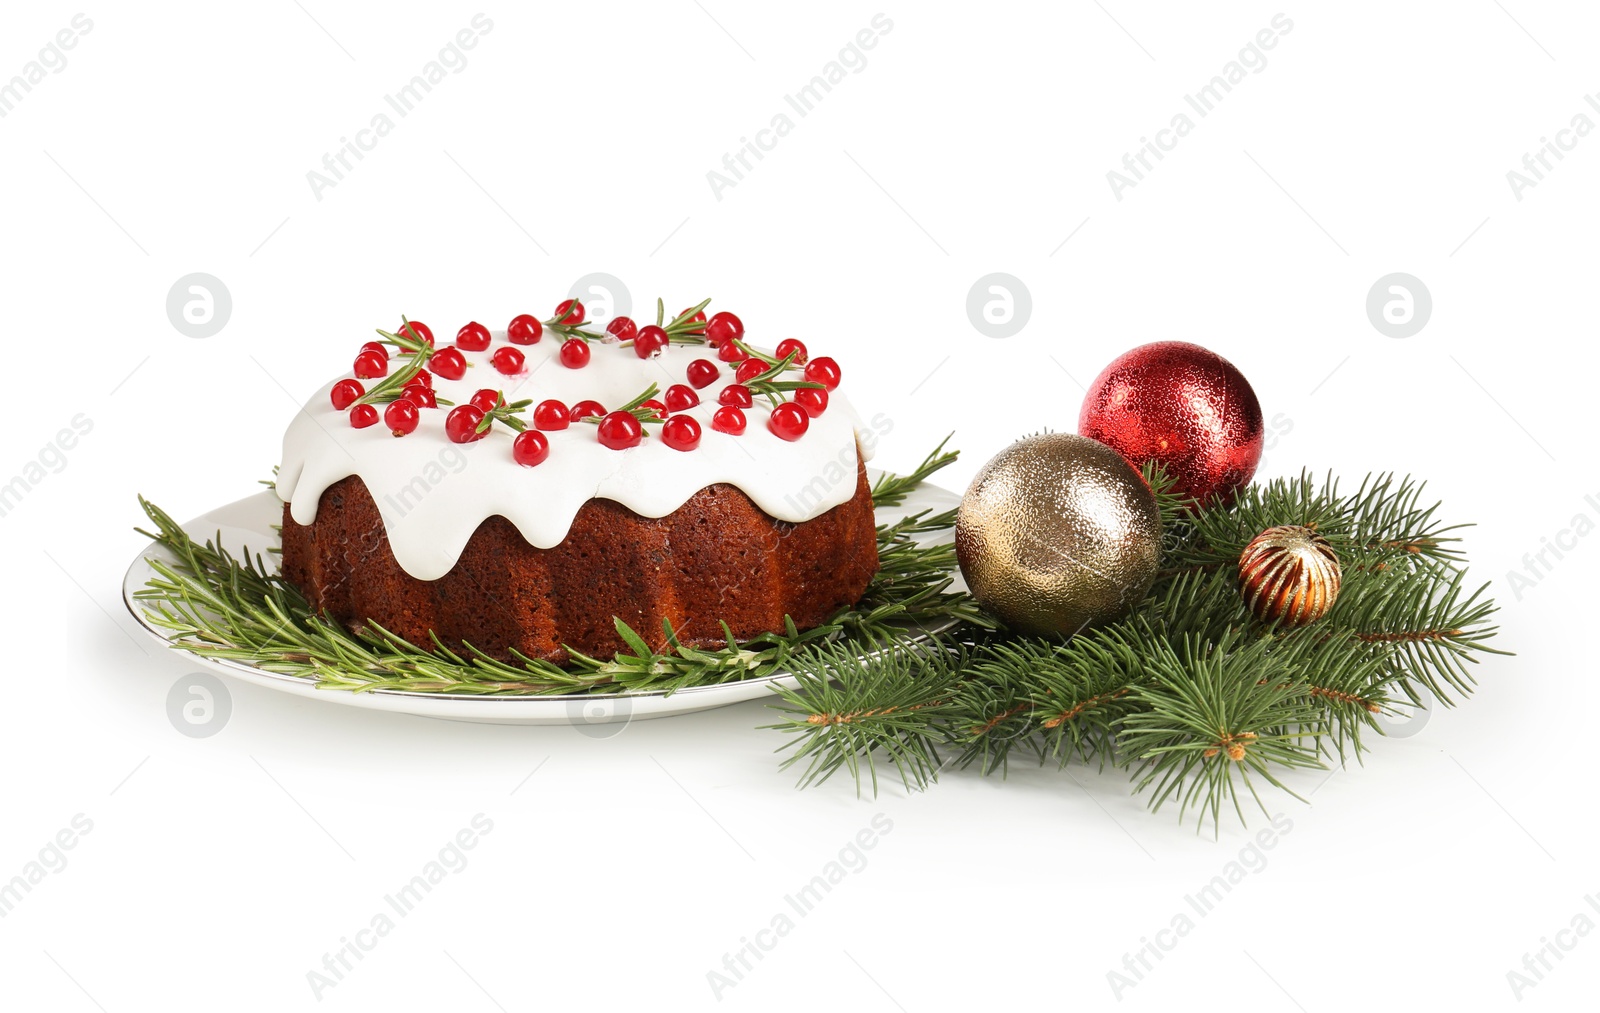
x=520, y=489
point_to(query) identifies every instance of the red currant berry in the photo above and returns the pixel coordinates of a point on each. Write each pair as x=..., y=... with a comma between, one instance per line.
x=698, y=318
x=794, y=346
x=474, y=337
x=813, y=399
x=749, y=369
x=363, y=415
x=722, y=327
x=423, y=377
x=569, y=312
x=657, y=407
x=400, y=417
x=507, y=360
x=735, y=394
x=788, y=421
x=622, y=328
x=525, y=329
x=728, y=351
x=574, y=353
x=461, y=425
x=681, y=432
x=650, y=342
x=371, y=365
x=344, y=393
x=449, y=363
x=530, y=448
x=679, y=398
x=586, y=409
x=420, y=396
x=377, y=346
x=417, y=331
x=823, y=370
x=728, y=420
x=485, y=400
x=620, y=430
x=702, y=373
x=551, y=416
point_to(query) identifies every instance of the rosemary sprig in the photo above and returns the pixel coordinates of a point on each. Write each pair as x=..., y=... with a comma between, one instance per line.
x=766, y=383
x=417, y=355
x=771, y=360
x=406, y=340
x=508, y=415
x=636, y=408
x=891, y=489
x=683, y=329
x=219, y=606
x=558, y=325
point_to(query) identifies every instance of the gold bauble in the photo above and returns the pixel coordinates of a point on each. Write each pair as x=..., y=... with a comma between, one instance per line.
x=1289, y=574
x=1057, y=532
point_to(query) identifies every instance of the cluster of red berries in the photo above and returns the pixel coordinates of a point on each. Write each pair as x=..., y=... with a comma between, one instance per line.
x=618, y=429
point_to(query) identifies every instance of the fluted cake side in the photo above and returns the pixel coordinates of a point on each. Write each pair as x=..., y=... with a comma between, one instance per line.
x=717, y=559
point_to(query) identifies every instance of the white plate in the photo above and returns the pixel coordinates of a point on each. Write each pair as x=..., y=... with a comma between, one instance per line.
x=250, y=522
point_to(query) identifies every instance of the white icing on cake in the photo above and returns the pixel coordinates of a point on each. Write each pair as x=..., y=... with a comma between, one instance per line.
x=433, y=493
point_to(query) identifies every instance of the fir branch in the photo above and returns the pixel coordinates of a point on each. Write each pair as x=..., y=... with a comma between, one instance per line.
x=844, y=715
x=1198, y=700
x=1214, y=709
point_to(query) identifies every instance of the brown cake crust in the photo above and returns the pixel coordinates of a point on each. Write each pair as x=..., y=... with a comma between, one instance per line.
x=718, y=557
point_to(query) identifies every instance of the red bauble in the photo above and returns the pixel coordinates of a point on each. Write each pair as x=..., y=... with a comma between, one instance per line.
x=1184, y=406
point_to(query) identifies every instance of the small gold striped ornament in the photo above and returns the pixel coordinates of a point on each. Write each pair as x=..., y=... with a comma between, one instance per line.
x=1289, y=574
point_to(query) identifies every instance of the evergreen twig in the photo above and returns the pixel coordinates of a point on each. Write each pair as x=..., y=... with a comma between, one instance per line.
x=1199, y=701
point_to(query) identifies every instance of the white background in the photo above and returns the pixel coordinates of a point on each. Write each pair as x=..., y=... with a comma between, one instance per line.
x=976, y=139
